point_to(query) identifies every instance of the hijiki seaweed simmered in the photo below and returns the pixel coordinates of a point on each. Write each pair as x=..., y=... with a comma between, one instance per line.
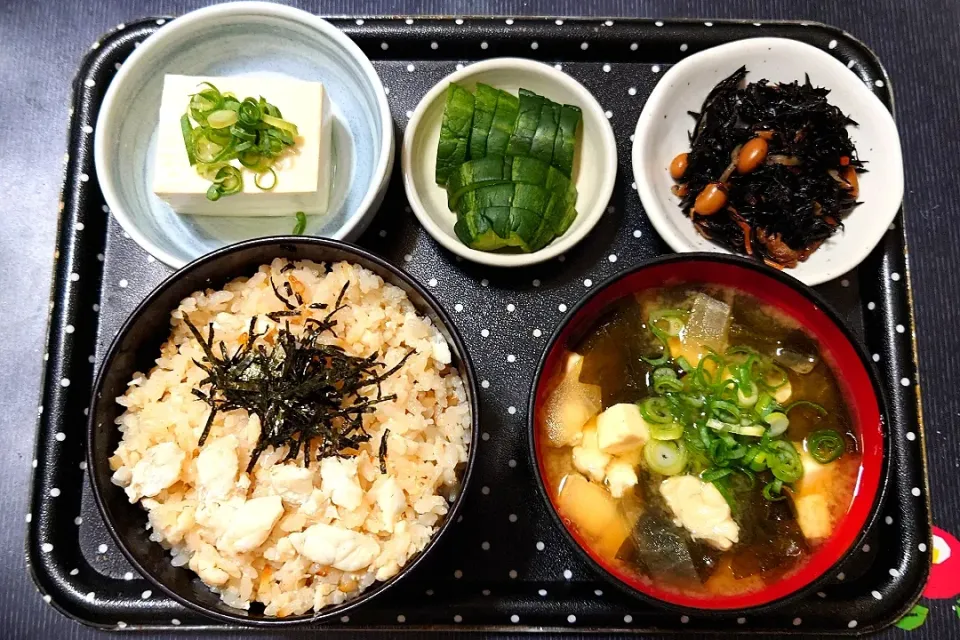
x=771, y=170
x=301, y=389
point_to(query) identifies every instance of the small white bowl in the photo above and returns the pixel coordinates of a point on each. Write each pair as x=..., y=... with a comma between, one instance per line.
x=664, y=123
x=595, y=167
x=234, y=39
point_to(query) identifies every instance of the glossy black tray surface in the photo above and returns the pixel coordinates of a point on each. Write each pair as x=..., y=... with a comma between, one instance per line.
x=503, y=565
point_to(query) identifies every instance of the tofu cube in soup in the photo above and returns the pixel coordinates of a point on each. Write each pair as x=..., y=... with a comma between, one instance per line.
x=587, y=457
x=621, y=429
x=570, y=405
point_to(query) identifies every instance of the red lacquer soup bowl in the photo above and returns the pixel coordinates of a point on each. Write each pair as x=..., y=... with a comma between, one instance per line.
x=859, y=386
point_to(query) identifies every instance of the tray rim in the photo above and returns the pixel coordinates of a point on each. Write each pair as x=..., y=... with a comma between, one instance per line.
x=39, y=570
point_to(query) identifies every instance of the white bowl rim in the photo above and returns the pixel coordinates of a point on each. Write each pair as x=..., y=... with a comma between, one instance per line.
x=379, y=177
x=852, y=255
x=560, y=245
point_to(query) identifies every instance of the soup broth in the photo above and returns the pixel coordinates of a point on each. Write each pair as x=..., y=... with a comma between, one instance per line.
x=696, y=441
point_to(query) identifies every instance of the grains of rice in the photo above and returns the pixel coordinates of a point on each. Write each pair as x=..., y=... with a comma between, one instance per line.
x=295, y=539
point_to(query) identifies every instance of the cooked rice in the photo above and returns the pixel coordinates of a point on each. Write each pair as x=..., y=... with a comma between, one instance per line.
x=275, y=535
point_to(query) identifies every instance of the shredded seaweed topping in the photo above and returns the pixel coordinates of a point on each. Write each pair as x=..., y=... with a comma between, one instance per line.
x=307, y=394
x=771, y=170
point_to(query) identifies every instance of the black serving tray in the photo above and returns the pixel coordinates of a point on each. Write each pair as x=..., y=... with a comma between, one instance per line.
x=503, y=566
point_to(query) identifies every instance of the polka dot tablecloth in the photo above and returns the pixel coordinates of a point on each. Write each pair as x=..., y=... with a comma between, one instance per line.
x=503, y=564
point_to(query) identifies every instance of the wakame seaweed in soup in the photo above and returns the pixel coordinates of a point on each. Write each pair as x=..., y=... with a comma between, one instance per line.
x=697, y=440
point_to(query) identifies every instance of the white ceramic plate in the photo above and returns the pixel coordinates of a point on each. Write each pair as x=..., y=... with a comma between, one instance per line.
x=664, y=123
x=594, y=170
x=242, y=38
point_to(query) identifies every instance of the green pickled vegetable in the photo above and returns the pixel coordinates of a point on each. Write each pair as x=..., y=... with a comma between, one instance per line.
x=474, y=174
x=454, y=131
x=544, y=139
x=499, y=195
x=485, y=105
x=530, y=171
x=504, y=119
x=526, y=126
x=566, y=140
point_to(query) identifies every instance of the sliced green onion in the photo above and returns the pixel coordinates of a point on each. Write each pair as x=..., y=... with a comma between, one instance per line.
x=684, y=364
x=771, y=490
x=256, y=180
x=222, y=118
x=281, y=124
x=656, y=410
x=784, y=461
x=249, y=112
x=826, y=445
x=671, y=431
x=187, y=130
x=667, y=457
x=765, y=404
x=715, y=474
x=301, y=225
x=779, y=422
x=805, y=403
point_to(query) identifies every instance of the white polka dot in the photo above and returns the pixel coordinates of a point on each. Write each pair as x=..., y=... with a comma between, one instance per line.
x=509, y=21
x=562, y=307
x=176, y=621
x=628, y=618
x=541, y=546
x=537, y=333
x=102, y=548
x=841, y=576
x=513, y=574
x=61, y=436
x=633, y=185
x=608, y=23
x=458, y=574
x=741, y=620
x=78, y=520
x=485, y=545
x=632, y=91
x=571, y=618
x=915, y=491
x=562, y=259
x=876, y=357
x=637, y=233
x=485, y=436
x=558, y=67
x=612, y=257
x=514, y=618
x=866, y=548
x=459, y=66
x=797, y=622
x=458, y=618
x=558, y=22
x=484, y=45
x=83, y=465
x=123, y=283
x=895, y=276
x=434, y=46
x=511, y=308
x=459, y=20
x=584, y=46
x=34, y=463
x=90, y=596
x=536, y=283
x=608, y=114
x=900, y=328
x=409, y=20
x=74, y=572
x=658, y=23
x=484, y=283
x=871, y=306
x=708, y=24
x=411, y=68
x=588, y=282
x=852, y=624
x=844, y=283
x=634, y=46
x=100, y=257
x=923, y=547
x=429, y=592
x=46, y=547
x=876, y=595
x=409, y=114
x=534, y=45
x=407, y=257
x=905, y=382
x=146, y=594
x=386, y=90
x=458, y=307
x=543, y=593
x=128, y=576
x=401, y=618
x=888, y=520
x=878, y=83
x=432, y=282
x=684, y=47
x=606, y=68
x=832, y=44
x=69, y=328
x=895, y=573
x=95, y=307
x=511, y=410
x=485, y=592
x=89, y=82
x=485, y=490
x=850, y=64
x=84, y=177
x=655, y=68
x=29, y=518
x=511, y=357
x=512, y=517
x=911, y=436
x=684, y=619
x=54, y=492
x=567, y=574
x=87, y=129
x=384, y=46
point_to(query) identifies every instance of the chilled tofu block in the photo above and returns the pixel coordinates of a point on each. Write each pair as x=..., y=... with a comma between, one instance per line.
x=621, y=428
x=304, y=172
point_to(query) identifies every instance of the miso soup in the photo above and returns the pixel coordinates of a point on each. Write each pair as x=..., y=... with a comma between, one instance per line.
x=696, y=440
